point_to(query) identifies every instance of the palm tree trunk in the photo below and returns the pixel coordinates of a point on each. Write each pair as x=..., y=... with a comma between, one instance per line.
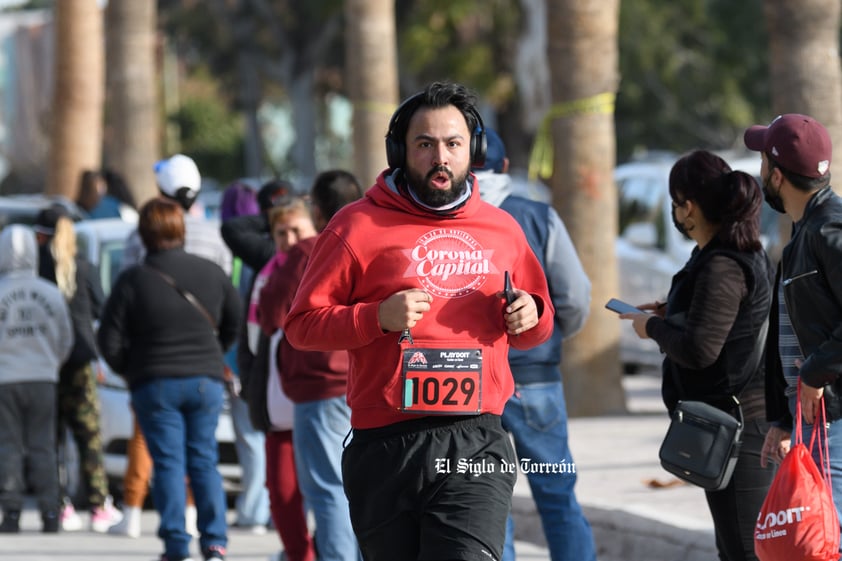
x=583, y=56
x=134, y=139
x=804, y=57
x=372, y=80
x=76, y=134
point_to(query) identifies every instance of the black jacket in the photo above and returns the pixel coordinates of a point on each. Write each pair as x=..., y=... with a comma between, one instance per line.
x=740, y=358
x=811, y=274
x=248, y=238
x=149, y=330
x=85, y=305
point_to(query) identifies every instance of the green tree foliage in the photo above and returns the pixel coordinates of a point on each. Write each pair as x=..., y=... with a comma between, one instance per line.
x=469, y=41
x=212, y=135
x=694, y=73
x=262, y=52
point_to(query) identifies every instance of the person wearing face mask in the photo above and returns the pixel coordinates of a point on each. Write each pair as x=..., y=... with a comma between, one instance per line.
x=805, y=330
x=712, y=329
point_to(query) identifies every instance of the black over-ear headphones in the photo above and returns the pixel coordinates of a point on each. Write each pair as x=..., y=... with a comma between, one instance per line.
x=396, y=147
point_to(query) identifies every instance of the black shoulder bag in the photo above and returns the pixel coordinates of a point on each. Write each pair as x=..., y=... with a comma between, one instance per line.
x=703, y=442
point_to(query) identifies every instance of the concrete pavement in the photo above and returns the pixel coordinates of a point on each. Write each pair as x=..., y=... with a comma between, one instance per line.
x=32, y=545
x=616, y=460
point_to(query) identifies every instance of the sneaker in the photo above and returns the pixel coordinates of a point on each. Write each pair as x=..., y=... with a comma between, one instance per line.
x=164, y=557
x=69, y=519
x=11, y=522
x=190, y=520
x=214, y=552
x=50, y=520
x=105, y=516
x=130, y=523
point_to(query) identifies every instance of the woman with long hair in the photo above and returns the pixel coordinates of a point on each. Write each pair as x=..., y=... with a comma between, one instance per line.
x=712, y=328
x=78, y=402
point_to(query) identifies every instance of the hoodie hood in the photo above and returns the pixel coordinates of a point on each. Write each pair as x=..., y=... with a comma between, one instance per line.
x=494, y=187
x=18, y=250
x=390, y=191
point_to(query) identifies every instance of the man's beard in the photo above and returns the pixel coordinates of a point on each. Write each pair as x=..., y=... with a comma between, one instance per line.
x=430, y=196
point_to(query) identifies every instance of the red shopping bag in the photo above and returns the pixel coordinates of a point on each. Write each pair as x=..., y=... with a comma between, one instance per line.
x=798, y=520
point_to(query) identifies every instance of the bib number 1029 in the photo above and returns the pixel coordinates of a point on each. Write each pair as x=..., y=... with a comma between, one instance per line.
x=446, y=387
x=447, y=392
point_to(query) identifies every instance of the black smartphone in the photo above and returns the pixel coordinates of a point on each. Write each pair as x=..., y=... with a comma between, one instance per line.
x=507, y=288
x=621, y=307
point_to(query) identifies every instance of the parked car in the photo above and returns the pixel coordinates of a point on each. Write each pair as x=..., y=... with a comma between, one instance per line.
x=650, y=250
x=102, y=242
x=22, y=209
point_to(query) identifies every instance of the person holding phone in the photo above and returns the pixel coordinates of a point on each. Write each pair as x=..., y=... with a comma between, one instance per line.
x=713, y=327
x=429, y=470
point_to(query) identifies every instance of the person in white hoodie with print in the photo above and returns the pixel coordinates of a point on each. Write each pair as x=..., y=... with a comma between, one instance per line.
x=36, y=336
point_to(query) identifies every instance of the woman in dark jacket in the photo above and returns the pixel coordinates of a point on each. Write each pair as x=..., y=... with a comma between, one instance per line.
x=78, y=403
x=712, y=327
x=164, y=329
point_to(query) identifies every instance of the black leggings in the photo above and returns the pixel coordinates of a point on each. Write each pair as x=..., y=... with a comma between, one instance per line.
x=734, y=509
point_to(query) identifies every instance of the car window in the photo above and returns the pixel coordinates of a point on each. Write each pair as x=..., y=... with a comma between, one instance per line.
x=641, y=199
x=17, y=216
x=110, y=263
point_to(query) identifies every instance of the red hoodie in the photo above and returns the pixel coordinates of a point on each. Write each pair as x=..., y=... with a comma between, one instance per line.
x=385, y=243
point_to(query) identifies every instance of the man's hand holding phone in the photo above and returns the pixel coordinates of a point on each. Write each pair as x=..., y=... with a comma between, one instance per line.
x=524, y=313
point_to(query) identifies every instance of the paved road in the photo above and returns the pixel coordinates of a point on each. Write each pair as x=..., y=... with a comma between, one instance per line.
x=32, y=545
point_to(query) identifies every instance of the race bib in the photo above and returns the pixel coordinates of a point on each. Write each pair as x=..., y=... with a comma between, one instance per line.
x=441, y=381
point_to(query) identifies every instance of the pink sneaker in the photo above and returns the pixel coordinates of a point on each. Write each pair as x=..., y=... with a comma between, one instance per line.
x=68, y=518
x=105, y=516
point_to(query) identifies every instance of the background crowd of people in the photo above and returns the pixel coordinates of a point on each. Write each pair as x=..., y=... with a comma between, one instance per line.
x=332, y=324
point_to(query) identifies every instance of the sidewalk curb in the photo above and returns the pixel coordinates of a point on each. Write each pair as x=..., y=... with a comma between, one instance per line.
x=623, y=535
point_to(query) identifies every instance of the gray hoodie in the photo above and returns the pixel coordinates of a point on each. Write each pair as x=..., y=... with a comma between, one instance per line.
x=36, y=335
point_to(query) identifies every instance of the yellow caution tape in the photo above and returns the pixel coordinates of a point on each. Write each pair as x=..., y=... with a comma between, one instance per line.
x=375, y=107
x=541, y=157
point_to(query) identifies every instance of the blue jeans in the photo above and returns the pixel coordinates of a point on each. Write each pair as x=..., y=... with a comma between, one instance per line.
x=320, y=427
x=834, y=442
x=253, y=500
x=178, y=417
x=536, y=415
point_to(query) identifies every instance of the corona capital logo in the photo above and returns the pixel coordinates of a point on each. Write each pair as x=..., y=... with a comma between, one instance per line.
x=449, y=263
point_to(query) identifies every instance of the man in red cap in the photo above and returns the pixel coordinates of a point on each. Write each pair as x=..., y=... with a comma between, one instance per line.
x=805, y=329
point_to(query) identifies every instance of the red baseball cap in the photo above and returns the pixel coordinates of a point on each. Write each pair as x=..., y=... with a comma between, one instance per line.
x=797, y=143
